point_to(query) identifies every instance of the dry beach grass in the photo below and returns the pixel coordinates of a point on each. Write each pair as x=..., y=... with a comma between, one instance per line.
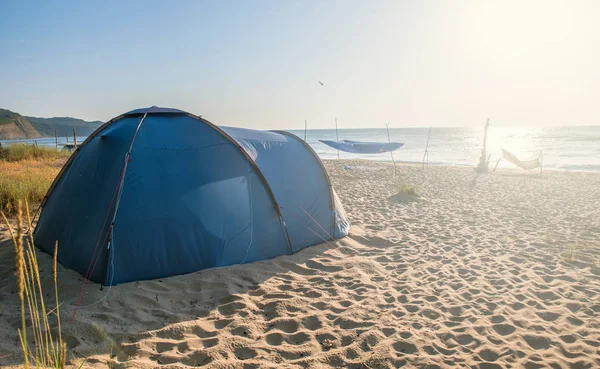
x=489, y=271
x=27, y=171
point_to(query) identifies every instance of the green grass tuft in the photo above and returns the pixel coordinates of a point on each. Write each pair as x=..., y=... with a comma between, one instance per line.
x=408, y=189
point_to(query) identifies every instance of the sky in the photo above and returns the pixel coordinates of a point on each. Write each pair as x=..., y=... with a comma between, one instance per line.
x=258, y=64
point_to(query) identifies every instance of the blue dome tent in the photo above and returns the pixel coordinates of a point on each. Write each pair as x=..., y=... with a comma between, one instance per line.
x=158, y=192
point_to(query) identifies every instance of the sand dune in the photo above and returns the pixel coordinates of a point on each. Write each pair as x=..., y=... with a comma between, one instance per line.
x=494, y=271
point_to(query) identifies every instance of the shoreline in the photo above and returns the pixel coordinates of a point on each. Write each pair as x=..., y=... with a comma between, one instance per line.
x=463, y=166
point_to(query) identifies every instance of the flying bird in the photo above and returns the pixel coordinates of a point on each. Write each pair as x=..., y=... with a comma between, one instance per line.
x=321, y=83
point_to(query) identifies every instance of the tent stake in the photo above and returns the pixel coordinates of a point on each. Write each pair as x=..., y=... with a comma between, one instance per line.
x=426, y=154
x=391, y=152
x=337, y=138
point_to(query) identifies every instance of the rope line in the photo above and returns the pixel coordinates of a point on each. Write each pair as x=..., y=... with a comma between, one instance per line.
x=318, y=235
x=314, y=220
x=112, y=275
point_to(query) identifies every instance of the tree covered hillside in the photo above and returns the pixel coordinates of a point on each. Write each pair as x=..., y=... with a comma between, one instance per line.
x=63, y=126
x=15, y=126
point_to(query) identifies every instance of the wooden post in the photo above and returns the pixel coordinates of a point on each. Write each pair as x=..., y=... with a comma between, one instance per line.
x=56, y=138
x=304, y=130
x=337, y=138
x=426, y=154
x=391, y=152
x=485, y=129
x=483, y=160
x=74, y=139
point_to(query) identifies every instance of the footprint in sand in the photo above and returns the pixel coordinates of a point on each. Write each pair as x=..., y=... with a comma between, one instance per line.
x=568, y=338
x=312, y=322
x=430, y=314
x=277, y=339
x=411, y=308
x=574, y=307
x=244, y=353
x=211, y=342
x=489, y=366
x=202, y=333
x=274, y=339
x=351, y=324
x=404, y=348
x=537, y=342
x=293, y=355
x=242, y=331
x=164, y=346
x=222, y=323
x=504, y=329
x=284, y=325
x=488, y=355
x=199, y=358
x=351, y=354
x=548, y=316
x=298, y=338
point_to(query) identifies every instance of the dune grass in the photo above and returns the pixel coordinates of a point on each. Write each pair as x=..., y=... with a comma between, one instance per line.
x=29, y=177
x=43, y=349
x=19, y=152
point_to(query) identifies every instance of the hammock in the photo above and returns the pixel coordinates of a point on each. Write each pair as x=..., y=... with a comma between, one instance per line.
x=527, y=164
x=361, y=147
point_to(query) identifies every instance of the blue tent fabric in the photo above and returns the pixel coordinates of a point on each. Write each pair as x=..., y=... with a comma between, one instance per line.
x=363, y=147
x=191, y=196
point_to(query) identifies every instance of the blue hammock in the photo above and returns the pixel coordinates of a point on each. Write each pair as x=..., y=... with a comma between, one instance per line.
x=361, y=147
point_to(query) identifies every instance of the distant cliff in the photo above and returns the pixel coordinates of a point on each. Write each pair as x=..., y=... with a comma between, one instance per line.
x=14, y=126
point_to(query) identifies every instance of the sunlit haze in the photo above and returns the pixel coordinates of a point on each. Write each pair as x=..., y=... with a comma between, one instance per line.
x=258, y=64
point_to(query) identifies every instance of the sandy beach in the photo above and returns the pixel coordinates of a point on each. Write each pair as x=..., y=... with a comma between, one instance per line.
x=487, y=271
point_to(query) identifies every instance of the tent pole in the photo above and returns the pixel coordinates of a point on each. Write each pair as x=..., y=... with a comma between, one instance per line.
x=391, y=152
x=426, y=153
x=304, y=130
x=337, y=138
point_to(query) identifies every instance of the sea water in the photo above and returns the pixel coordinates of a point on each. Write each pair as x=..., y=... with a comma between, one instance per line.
x=562, y=148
